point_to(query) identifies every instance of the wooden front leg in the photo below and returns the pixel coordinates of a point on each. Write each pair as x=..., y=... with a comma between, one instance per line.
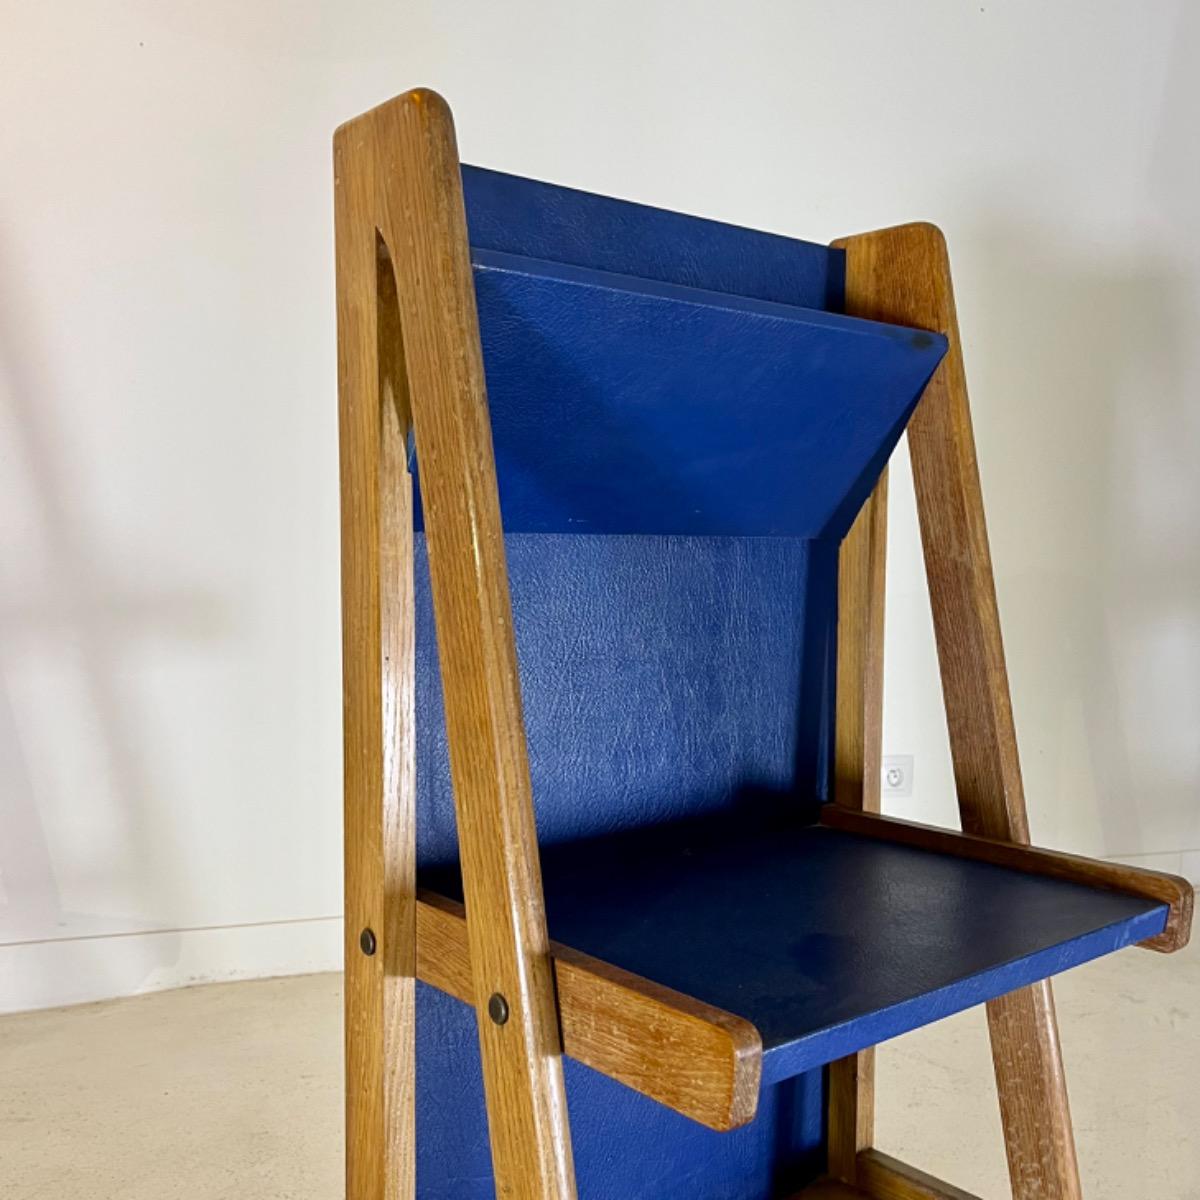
x=400, y=192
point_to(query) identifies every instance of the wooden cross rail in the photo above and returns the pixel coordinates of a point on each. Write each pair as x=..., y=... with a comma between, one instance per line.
x=881, y=1177
x=696, y=1059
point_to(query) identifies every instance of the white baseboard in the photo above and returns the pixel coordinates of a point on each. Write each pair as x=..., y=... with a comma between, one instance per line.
x=60, y=971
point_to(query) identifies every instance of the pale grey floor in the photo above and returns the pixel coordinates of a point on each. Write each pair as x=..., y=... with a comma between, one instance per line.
x=232, y=1092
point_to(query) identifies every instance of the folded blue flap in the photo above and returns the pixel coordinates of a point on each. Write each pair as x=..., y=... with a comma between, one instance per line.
x=622, y=405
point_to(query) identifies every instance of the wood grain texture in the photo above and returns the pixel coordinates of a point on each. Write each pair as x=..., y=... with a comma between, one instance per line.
x=696, y=1059
x=858, y=731
x=377, y=657
x=1171, y=890
x=397, y=179
x=830, y=1189
x=398, y=946
x=885, y=1178
x=850, y=1120
x=858, y=748
x=902, y=275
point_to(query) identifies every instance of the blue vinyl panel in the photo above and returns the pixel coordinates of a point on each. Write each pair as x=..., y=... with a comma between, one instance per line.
x=626, y=1147
x=660, y=677
x=624, y=406
x=542, y=220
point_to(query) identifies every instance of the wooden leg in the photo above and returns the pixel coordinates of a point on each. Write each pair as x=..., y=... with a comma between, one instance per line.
x=851, y=1113
x=1038, y=1136
x=903, y=275
x=858, y=746
x=399, y=187
x=399, y=791
x=377, y=656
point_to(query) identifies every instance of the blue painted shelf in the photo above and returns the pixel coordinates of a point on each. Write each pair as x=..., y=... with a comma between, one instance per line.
x=623, y=405
x=825, y=941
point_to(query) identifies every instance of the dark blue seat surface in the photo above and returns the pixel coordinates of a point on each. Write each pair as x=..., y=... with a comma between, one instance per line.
x=826, y=941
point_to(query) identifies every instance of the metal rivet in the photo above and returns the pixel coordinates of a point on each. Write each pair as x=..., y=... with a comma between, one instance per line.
x=366, y=941
x=498, y=1008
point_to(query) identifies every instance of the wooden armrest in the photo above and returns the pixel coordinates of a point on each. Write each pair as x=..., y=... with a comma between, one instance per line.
x=1178, y=894
x=696, y=1059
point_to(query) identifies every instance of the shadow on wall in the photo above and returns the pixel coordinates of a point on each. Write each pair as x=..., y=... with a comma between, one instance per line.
x=68, y=627
x=1088, y=444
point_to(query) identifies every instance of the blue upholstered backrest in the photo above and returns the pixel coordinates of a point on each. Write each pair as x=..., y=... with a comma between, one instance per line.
x=684, y=428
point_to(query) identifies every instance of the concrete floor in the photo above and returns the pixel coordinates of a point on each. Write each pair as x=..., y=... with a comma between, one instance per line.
x=232, y=1091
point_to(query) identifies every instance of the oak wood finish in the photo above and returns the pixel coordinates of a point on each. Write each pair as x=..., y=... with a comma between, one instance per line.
x=858, y=732
x=1171, y=890
x=399, y=802
x=696, y=1059
x=885, y=1178
x=882, y=1177
x=398, y=184
x=397, y=666
x=902, y=275
x=850, y=1121
x=858, y=747
x=377, y=657
x=830, y=1189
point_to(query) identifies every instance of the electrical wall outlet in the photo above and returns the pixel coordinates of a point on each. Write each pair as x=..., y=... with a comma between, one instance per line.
x=898, y=775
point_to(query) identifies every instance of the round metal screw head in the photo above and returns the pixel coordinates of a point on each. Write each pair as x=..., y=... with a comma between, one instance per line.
x=498, y=1009
x=366, y=942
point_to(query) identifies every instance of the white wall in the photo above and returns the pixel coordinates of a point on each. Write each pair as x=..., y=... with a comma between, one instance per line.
x=169, y=746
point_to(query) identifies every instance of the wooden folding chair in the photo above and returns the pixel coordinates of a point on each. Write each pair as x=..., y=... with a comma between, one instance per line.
x=664, y=624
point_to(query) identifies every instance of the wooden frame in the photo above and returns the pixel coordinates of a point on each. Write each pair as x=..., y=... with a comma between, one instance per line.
x=409, y=353
x=902, y=275
x=409, y=362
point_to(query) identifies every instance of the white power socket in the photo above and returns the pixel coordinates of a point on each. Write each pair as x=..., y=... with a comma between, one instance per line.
x=898, y=775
